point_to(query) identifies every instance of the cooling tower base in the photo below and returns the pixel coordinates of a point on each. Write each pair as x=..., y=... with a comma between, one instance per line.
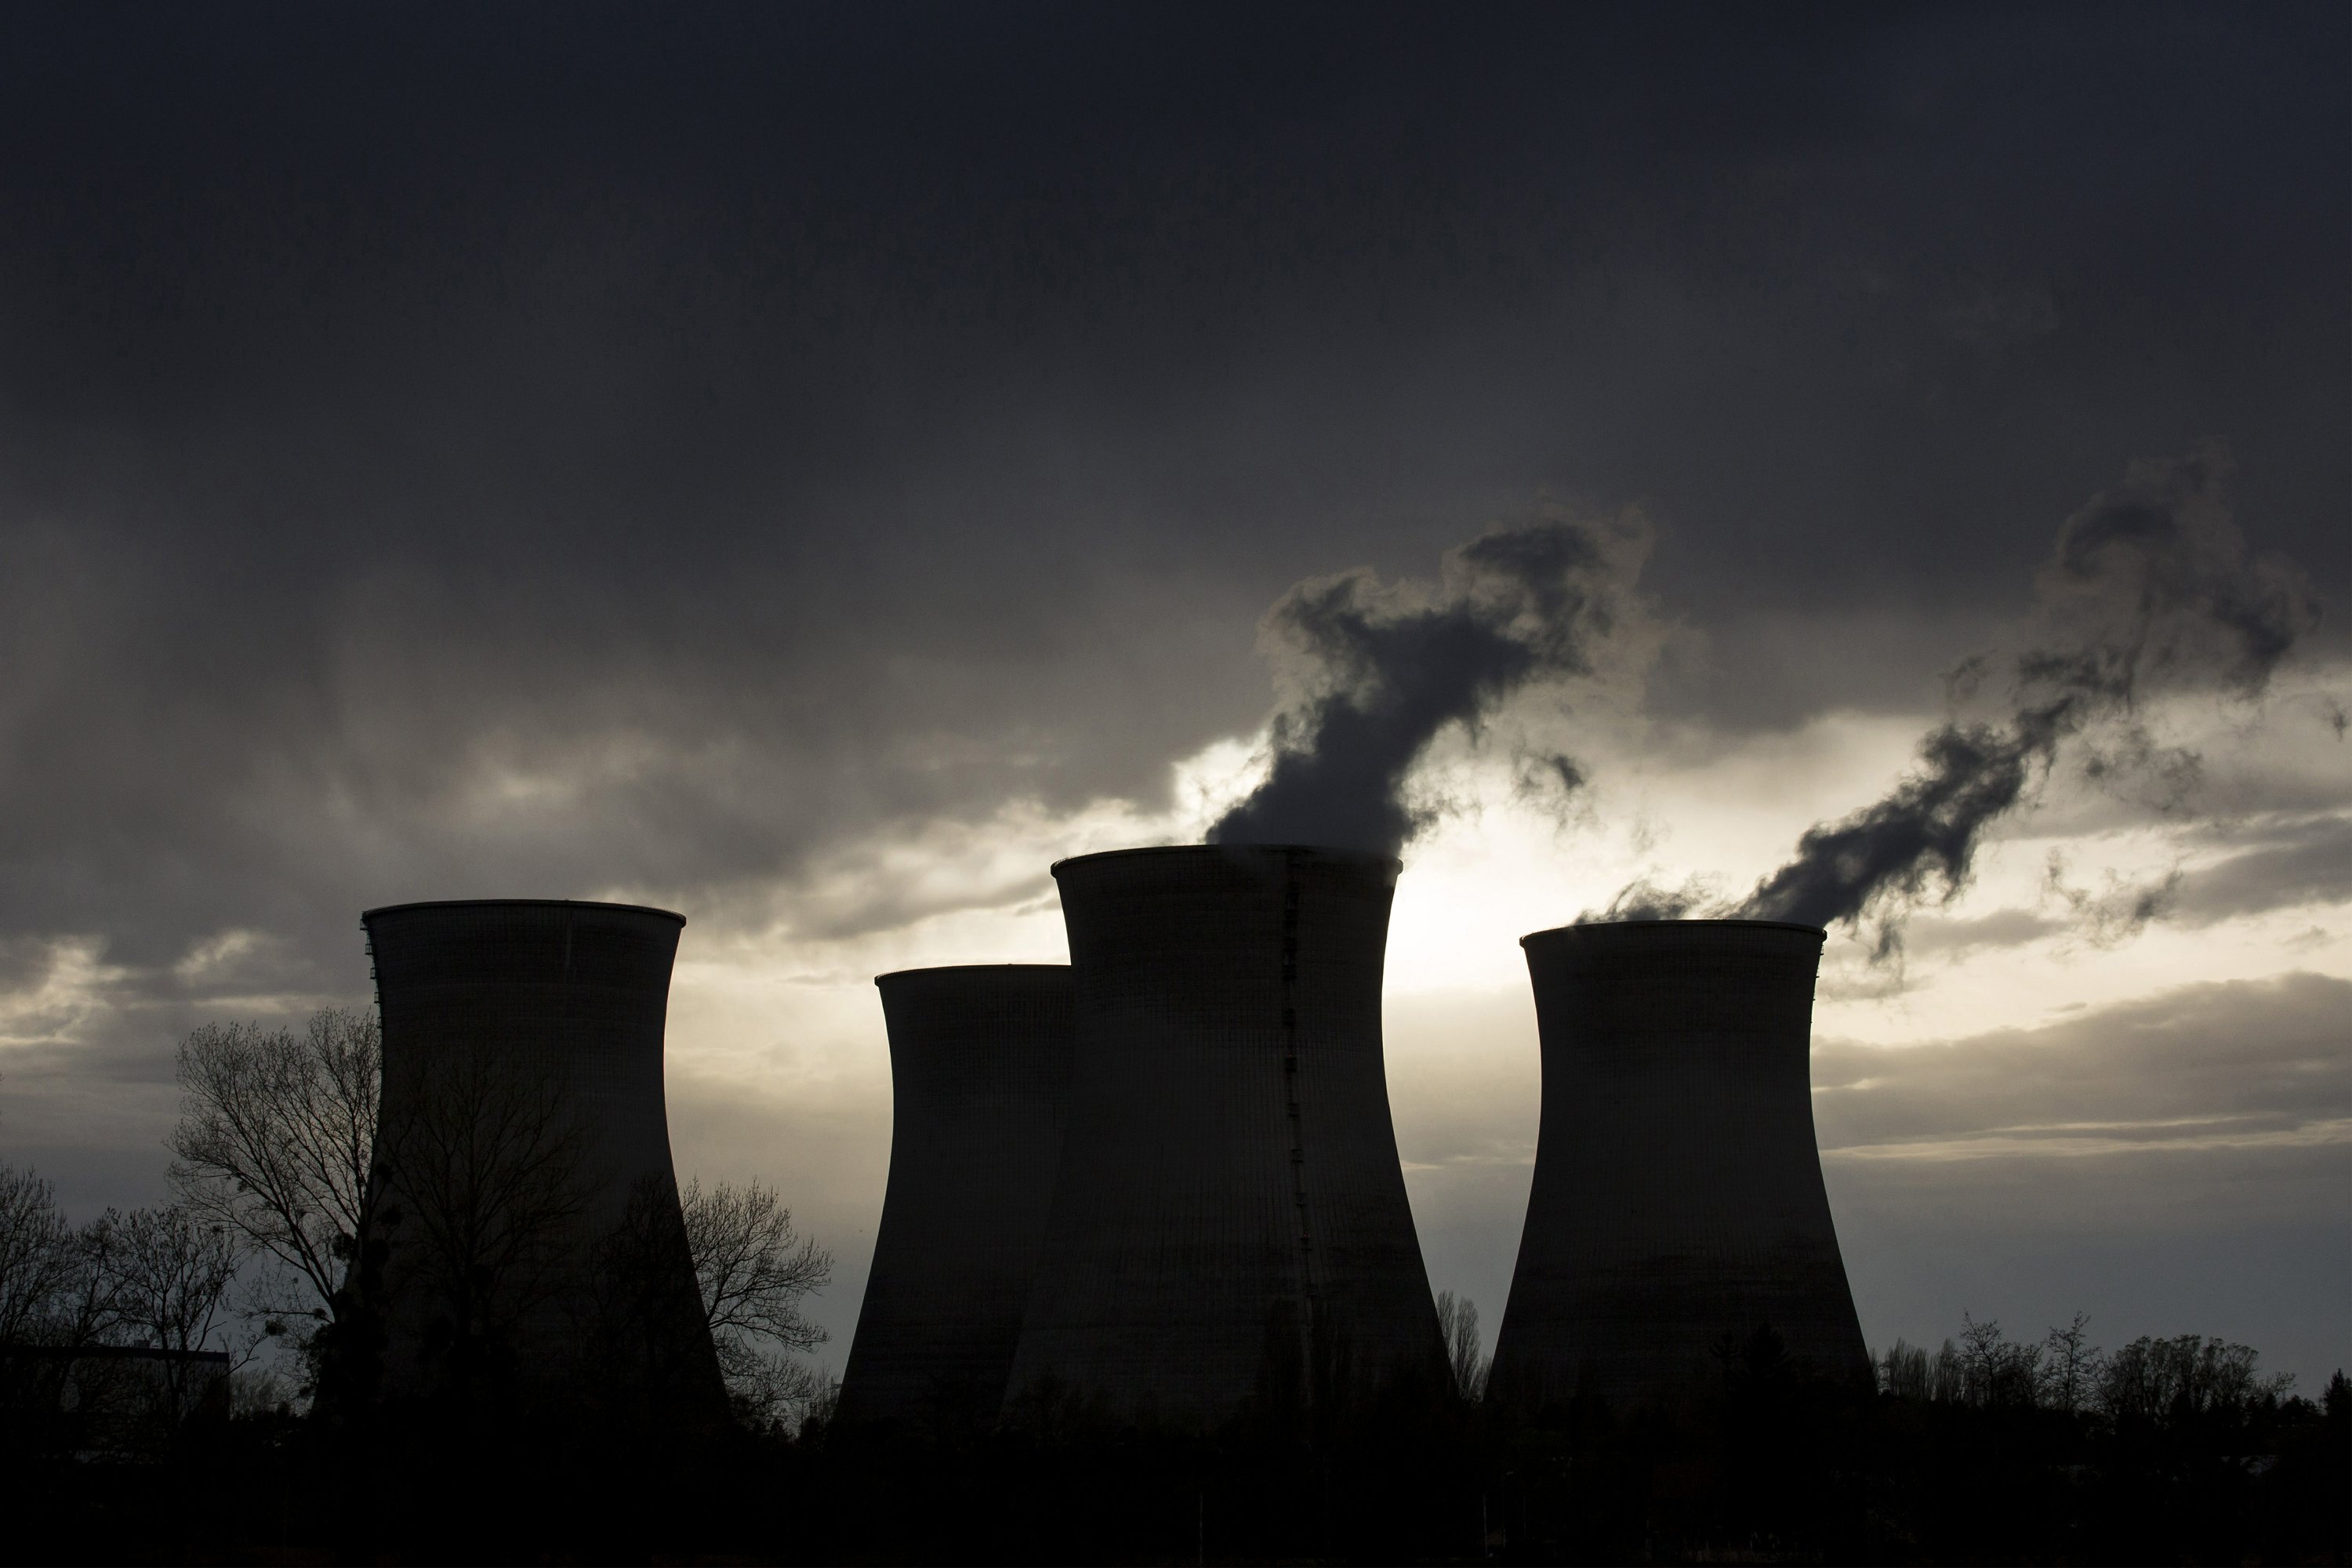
x=1230, y=1229
x=1677, y=1228
x=530, y=1211
x=980, y=1060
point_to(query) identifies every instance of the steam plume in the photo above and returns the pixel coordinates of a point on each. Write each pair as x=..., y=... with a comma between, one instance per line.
x=2120, y=913
x=1392, y=667
x=1646, y=900
x=2150, y=589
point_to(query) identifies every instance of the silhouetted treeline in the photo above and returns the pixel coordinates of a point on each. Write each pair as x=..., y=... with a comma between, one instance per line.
x=2165, y=1450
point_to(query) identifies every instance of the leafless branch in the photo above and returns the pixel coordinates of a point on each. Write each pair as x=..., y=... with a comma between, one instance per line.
x=277, y=1131
x=754, y=1268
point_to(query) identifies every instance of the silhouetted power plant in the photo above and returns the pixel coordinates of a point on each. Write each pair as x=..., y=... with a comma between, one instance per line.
x=524, y=1144
x=980, y=1073
x=1677, y=1204
x=1159, y=1183
x=1230, y=1220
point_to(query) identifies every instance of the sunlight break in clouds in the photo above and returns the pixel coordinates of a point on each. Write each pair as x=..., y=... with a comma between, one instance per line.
x=786, y=1018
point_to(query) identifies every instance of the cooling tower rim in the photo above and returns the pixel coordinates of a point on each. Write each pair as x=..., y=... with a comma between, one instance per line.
x=1819, y=933
x=1320, y=851
x=367, y=915
x=966, y=968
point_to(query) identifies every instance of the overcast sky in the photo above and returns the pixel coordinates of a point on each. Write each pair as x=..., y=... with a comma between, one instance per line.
x=811, y=467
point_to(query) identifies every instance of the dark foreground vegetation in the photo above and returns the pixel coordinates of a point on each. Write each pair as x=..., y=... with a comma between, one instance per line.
x=208, y=1382
x=2172, y=1452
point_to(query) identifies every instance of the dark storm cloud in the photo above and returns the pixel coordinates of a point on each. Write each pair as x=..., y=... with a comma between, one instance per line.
x=2151, y=590
x=448, y=451
x=1389, y=668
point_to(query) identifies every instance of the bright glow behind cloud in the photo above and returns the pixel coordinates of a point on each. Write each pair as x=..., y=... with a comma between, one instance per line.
x=784, y=1023
x=779, y=1063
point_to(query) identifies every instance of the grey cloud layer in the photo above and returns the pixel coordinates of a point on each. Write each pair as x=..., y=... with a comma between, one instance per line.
x=2281, y=862
x=2237, y=1062
x=2175, y=1164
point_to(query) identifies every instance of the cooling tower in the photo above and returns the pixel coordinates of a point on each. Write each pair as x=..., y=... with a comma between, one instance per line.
x=980, y=1069
x=1677, y=1195
x=524, y=1149
x=1230, y=1218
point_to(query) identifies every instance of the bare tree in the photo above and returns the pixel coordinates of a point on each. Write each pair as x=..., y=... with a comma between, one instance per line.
x=71, y=1297
x=1457, y=1319
x=1947, y=1378
x=276, y=1136
x=755, y=1271
x=169, y=1274
x=37, y=1257
x=775, y=1388
x=2161, y=1380
x=54, y=1295
x=1905, y=1371
x=2069, y=1368
x=1995, y=1370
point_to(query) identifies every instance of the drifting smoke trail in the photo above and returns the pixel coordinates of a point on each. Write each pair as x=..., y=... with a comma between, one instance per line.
x=1922, y=833
x=1396, y=665
x=2123, y=912
x=1648, y=901
x=2150, y=589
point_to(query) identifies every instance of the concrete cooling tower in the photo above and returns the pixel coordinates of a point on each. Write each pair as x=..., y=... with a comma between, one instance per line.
x=1677, y=1195
x=1230, y=1220
x=980, y=1069
x=524, y=1147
